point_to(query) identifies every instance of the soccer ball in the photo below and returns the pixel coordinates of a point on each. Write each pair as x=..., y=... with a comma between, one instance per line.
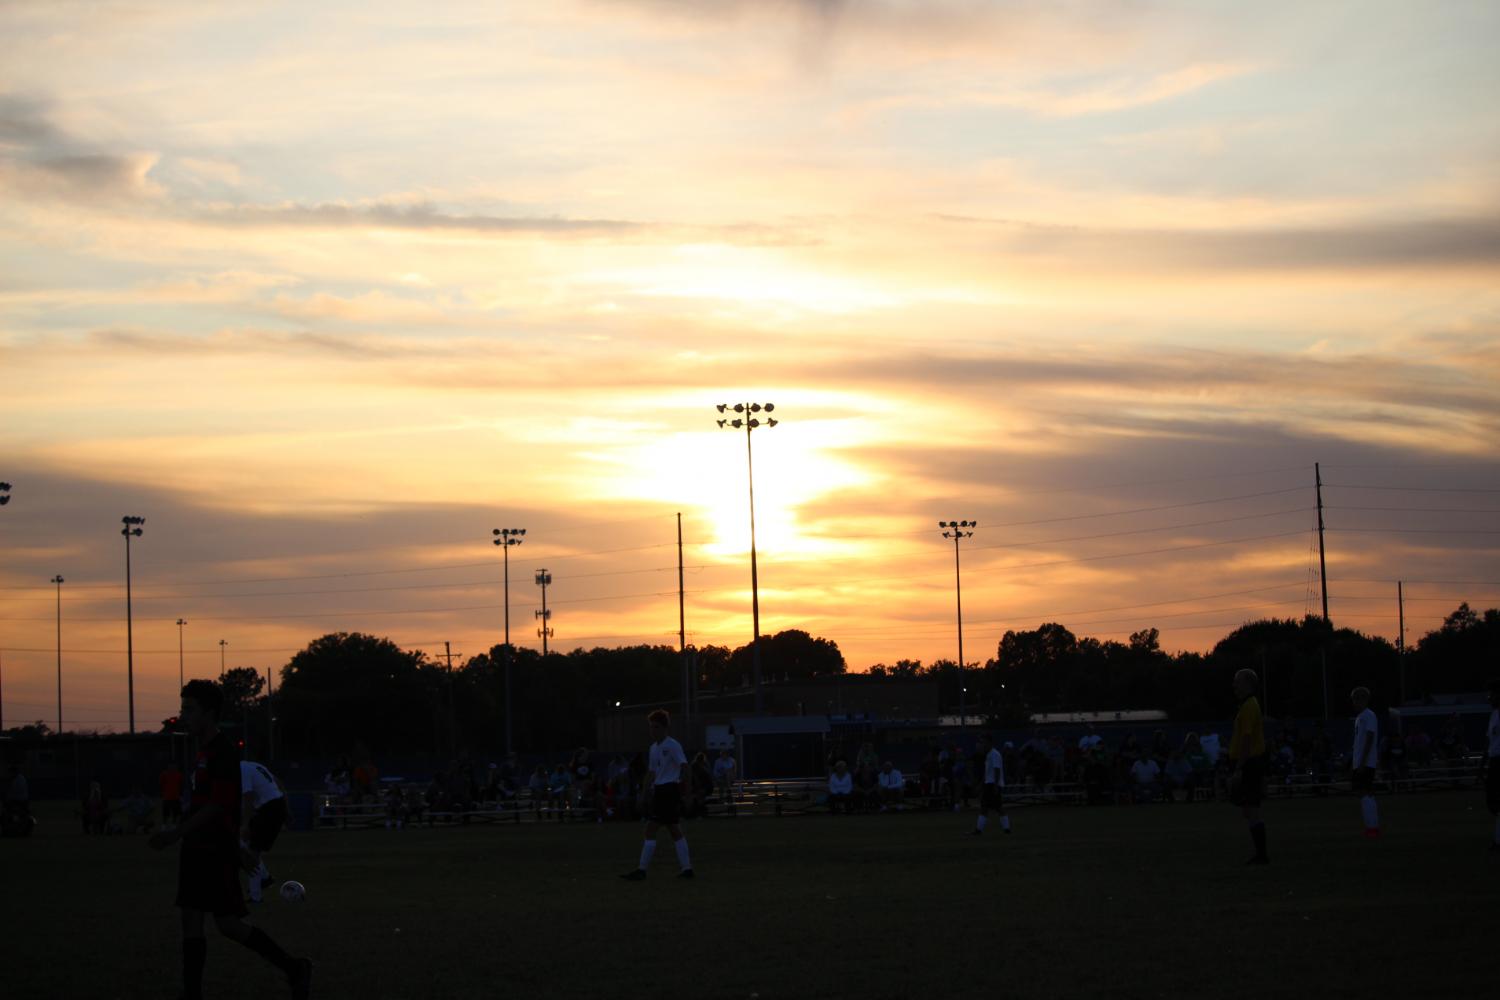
x=293, y=892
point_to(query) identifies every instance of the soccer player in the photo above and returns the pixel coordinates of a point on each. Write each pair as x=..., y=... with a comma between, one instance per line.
x=1492, y=764
x=264, y=812
x=666, y=775
x=1366, y=756
x=992, y=795
x=207, y=869
x=1247, y=755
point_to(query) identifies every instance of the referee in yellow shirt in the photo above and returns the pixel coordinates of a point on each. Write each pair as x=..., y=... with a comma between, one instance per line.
x=1247, y=755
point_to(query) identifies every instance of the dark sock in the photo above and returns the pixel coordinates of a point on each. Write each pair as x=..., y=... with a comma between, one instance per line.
x=1258, y=834
x=260, y=943
x=194, y=956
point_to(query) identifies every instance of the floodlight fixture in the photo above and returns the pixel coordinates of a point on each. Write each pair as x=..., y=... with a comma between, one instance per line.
x=4, y=494
x=956, y=530
x=132, y=528
x=749, y=424
x=505, y=538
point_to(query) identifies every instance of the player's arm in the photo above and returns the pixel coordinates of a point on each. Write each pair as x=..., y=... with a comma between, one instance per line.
x=207, y=816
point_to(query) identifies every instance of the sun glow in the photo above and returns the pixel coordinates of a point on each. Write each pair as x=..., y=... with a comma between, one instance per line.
x=706, y=471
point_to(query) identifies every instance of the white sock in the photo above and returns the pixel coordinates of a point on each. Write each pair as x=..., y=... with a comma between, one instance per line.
x=682, y=854
x=1005, y=822
x=979, y=823
x=647, y=849
x=1371, y=814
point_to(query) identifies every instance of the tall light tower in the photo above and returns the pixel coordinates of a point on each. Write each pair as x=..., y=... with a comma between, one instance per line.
x=956, y=530
x=58, y=580
x=180, y=682
x=505, y=538
x=222, y=644
x=543, y=580
x=750, y=422
x=132, y=527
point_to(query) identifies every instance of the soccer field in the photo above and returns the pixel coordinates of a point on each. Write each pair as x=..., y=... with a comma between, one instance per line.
x=1147, y=901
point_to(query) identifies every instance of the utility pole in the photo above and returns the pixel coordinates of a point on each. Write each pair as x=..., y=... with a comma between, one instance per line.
x=505, y=538
x=543, y=578
x=452, y=713
x=956, y=530
x=1322, y=558
x=132, y=527
x=180, y=682
x=750, y=423
x=58, y=580
x=1401, y=641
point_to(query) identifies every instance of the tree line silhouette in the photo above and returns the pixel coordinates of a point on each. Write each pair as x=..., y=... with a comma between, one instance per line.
x=346, y=688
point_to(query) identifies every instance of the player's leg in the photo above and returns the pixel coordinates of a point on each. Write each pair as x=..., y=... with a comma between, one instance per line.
x=679, y=841
x=1257, y=833
x=1368, y=810
x=194, y=954
x=648, y=850
x=298, y=971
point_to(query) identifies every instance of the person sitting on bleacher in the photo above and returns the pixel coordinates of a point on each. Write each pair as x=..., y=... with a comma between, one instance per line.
x=840, y=789
x=892, y=787
x=558, y=787
x=1179, y=777
x=1145, y=777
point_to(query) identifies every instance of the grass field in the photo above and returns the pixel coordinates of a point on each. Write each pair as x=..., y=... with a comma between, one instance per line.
x=1122, y=902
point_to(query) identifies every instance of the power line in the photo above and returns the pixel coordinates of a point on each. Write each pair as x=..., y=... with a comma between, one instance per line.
x=1421, y=510
x=1413, y=489
x=392, y=611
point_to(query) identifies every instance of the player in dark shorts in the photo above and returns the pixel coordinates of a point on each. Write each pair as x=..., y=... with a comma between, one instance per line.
x=208, y=864
x=667, y=773
x=1247, y=755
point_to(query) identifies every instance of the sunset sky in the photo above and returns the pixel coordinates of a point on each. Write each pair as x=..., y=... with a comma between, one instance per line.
x=326, y=292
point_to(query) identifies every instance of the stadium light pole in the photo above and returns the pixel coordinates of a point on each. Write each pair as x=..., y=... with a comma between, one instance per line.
x=543, y=580
x=58, y=580
x=750, y=422
x=132, y=527
x=222, y=644
x=505, y=538
x=956, y=530
x=180, y=682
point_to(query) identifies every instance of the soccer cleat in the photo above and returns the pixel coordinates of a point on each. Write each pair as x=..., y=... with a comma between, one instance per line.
x=301, y=979
x=639, y=875
x=686, y=873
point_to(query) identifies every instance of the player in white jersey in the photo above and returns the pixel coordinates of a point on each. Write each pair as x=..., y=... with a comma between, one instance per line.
x=262, y=817
x=1492, y=763
x=668, y=782
x=1365, y=757
x=993, y=794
